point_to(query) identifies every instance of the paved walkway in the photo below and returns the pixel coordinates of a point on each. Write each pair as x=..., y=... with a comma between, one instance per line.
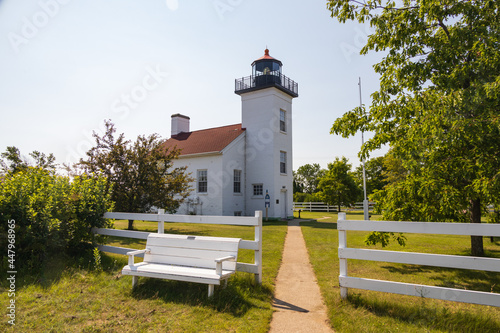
x=298, y=303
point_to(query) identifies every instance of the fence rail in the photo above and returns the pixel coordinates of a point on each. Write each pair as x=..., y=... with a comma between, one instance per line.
x=161, y=218
x=461, y=262
x=324, y=207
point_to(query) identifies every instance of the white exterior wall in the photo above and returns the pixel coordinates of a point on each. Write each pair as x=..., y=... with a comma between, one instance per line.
x=202, y=203
x=219, y=199
x=265, y=141
x=234, y=159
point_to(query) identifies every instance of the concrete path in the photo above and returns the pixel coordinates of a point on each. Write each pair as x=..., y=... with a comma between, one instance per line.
x=298, y=303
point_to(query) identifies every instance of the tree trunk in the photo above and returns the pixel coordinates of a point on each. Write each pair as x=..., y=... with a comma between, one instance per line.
x=130, y=224
x=475, y=217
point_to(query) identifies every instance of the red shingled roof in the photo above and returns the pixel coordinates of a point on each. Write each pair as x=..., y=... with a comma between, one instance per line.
x=205, y=141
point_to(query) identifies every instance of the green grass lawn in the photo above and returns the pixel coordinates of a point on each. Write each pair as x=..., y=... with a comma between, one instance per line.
x=368, y=311
x=75, y=298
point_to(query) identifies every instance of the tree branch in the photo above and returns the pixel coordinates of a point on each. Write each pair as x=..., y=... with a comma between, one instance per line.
x=443, y=26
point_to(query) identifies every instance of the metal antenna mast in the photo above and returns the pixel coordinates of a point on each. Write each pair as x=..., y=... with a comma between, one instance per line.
x=365, y=201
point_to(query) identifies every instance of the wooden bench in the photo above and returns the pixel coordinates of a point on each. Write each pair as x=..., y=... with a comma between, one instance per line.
x=200, y=259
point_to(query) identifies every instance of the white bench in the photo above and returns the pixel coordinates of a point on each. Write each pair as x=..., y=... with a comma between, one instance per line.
x=200, y=259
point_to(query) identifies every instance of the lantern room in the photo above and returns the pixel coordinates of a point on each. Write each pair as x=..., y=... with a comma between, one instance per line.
x=266, y=73
x=266, y=65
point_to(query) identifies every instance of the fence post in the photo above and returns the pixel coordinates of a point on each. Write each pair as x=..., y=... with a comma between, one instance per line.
x=258, y=253
x=342, y=262
x=161, y=225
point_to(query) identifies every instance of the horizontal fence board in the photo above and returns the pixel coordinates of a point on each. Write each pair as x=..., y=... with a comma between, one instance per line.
x=440, y=228
x=118, y=250
x=247, y=268
x=438, y=260
x=249, y=245
x=447, y=294
x=203, y=219
x=244, y=244
x=324, y=207
x=121, y=233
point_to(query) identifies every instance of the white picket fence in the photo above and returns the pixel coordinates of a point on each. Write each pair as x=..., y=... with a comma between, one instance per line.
x=161, y=218
x=449, y=261
x=324, y=207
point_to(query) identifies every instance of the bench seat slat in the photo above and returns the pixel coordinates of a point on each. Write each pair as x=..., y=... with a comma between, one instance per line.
x=189, y=274
x=188, y=261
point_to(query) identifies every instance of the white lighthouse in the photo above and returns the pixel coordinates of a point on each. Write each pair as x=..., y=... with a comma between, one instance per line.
x=241, y=168
x=266, y=98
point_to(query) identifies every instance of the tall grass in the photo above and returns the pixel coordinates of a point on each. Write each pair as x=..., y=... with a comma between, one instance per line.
x=368, y=311
x=73, y=296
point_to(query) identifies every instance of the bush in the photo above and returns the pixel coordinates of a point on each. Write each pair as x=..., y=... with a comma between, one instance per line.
x=299, y=196
x=51, y=213
x=307, y=197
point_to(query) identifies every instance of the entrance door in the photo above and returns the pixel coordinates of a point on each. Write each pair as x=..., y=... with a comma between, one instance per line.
x=283, y=204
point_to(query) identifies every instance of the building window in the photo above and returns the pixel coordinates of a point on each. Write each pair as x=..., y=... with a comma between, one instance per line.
x=258, y=189
x=283, y=120
x=237, y=181
x=237, y=213
x=283, y=162
x=202, y=181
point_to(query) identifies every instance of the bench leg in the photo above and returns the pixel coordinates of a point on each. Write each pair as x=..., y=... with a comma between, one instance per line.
x=210, y=290
x=225, y=283
x=134, y=281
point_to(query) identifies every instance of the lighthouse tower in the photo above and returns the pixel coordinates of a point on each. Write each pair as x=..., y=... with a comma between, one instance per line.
x=266, y=98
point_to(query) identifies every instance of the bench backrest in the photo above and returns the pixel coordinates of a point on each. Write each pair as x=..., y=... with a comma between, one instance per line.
x=194, y=251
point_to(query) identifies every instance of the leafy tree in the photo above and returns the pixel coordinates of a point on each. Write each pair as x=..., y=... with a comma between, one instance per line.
x=307, y=177
x=438, y=105
x=393, y=169
x=297, y=187
x=141, y=172
x=375, y=175
x=337, y=185
x=13, y=162
x=51, y=214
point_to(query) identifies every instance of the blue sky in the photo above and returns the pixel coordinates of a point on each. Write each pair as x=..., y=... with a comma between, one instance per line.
x=66, y=65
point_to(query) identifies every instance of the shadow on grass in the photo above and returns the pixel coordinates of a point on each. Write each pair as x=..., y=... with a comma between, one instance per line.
x=273, y=223
x=453, y=278
x=237, y=298
x=320, y=225
x=425, y=316
x=57, y=265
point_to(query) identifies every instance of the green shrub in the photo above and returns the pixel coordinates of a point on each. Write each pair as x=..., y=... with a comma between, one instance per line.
x=51, y=212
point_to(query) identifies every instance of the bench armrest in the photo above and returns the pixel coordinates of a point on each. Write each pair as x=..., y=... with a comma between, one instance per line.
x=225, y=259
x=218, y=264
x=131, y=255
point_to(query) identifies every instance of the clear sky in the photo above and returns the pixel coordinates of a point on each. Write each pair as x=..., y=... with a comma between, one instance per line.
x=66, y=65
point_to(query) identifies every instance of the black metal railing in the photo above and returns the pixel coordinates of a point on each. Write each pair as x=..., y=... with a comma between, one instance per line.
x=262, y=81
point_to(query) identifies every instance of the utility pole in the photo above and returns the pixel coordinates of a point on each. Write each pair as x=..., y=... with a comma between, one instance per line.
x=365, y=201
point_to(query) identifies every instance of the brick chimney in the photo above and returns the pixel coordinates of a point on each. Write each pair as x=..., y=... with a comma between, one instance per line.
x=180, y=123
